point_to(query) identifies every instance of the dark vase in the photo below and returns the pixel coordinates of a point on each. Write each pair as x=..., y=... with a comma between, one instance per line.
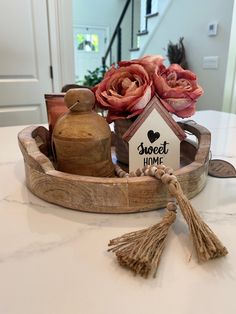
x=122, y=147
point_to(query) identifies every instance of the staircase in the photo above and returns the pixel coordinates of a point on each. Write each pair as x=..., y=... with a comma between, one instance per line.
x=145, y=17
x=150, y=23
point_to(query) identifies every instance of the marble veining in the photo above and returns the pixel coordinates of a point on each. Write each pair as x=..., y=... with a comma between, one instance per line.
x=55, y=260
x=36, y=248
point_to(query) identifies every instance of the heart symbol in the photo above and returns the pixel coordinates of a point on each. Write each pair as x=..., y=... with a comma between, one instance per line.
x=153, y=136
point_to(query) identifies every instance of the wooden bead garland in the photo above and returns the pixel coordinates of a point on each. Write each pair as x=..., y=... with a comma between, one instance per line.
x=141, y=250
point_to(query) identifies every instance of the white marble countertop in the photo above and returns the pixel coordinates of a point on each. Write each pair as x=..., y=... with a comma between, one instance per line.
x=54, y=260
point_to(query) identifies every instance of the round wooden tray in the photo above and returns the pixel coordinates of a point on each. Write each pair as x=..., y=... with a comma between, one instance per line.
x=110, y=195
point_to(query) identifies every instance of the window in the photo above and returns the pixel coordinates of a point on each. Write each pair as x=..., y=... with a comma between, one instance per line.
x=87, y=42
x=149, y=7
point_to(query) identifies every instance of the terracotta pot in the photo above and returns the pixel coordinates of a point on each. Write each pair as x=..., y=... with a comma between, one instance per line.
x=122, y=147
x=56, y=107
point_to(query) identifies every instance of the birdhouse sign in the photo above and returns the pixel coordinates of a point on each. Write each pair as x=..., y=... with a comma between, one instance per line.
x=154, y=138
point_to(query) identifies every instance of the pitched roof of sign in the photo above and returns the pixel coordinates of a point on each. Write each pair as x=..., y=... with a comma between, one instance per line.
x=155, y=103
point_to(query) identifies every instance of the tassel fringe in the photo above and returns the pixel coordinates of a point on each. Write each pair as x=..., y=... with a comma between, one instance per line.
x=141, y=250
x=206, y=243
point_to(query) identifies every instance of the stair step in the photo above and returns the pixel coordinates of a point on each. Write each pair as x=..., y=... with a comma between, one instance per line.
x=133, y=49
x=145, y=32
x=151, y=15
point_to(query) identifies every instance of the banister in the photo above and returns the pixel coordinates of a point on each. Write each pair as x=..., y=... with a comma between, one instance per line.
x=116, y=31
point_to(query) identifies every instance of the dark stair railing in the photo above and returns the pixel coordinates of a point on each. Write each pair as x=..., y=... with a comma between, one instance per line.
x=118, y=34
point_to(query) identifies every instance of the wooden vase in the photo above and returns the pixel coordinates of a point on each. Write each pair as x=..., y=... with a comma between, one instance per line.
x=82, y=138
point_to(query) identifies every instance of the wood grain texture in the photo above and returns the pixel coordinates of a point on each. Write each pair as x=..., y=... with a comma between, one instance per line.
x=154, y=103
x=110, y=195
x=82, y=138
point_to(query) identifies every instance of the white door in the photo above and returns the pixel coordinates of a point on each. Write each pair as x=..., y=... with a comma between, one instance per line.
x=89, y=48
x=24, y=61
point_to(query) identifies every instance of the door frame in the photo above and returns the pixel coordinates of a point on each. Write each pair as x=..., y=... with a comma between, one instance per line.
x=101, y=27
x=229, y=97
x=60, y=24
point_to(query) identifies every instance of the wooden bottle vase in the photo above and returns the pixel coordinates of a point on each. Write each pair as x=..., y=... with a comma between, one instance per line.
x=82, y=138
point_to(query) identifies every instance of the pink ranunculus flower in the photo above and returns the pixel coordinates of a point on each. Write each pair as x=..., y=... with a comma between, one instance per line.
x=152, y=64
x=124, y=91
x=178, y=90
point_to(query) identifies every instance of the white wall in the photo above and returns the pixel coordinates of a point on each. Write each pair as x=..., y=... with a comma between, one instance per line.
x=100, y=13
x=190, y=20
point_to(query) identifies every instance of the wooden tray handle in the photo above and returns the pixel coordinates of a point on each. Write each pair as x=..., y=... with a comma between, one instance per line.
x=204, y=139
x=34, y=143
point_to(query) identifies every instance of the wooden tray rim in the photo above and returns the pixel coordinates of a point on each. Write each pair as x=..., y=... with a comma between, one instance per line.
x=28, y=143
x=93, y=194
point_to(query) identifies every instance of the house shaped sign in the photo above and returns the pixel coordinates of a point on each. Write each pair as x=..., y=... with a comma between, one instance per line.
x=154, y=138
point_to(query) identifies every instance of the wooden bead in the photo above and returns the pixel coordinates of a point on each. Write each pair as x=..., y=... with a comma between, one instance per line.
x=146, y=172
x=166, y=178
x=171, y=206
x=169, y=170
x=161, y=167
x=139, y=172
x=152, y=171
x=159, y=173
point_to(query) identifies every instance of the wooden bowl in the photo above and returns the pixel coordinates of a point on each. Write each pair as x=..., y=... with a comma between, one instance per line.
x=110, y=195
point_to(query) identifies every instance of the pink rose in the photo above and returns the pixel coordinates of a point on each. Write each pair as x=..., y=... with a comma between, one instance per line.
x=152, y=64
x=124, y=91
x=178, y=90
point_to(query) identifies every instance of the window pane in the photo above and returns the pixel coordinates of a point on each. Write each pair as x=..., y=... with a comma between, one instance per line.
x=87, y=42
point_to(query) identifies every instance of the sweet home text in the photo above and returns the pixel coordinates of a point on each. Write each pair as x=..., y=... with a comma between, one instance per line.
x=160, y=151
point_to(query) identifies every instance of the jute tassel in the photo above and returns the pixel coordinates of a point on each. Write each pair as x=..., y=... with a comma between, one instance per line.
x=141, y=250
x=207, y=245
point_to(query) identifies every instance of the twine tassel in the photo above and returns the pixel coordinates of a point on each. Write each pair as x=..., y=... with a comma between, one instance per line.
x=141, y=250
x=206, y=243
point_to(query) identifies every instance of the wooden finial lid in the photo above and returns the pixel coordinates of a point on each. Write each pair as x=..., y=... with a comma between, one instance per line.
x=79, y=99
